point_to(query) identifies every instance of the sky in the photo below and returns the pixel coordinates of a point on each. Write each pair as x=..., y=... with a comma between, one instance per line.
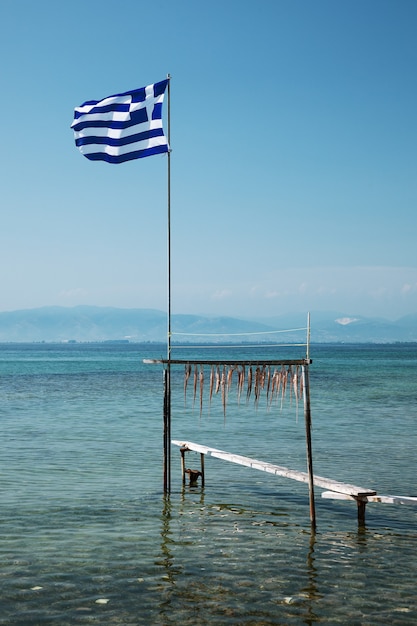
x=293, y=163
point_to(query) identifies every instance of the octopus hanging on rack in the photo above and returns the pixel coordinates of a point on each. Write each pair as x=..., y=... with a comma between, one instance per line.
x=255, y=380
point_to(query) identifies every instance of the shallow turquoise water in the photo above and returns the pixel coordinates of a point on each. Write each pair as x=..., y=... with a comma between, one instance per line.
x=83, y=517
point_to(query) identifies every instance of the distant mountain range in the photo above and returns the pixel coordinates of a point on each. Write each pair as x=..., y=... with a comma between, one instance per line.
x=90, y=323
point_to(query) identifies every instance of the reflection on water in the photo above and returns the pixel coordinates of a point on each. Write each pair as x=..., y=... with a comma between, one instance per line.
x=228, y=563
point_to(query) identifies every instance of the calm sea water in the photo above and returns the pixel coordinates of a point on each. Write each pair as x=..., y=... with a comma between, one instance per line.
x=87, y=536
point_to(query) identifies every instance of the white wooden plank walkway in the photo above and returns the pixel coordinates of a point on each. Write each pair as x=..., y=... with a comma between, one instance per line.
x=375, y=498
x=278, y=470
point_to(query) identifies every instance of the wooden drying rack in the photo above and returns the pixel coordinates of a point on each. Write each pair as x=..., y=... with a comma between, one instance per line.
x=301, y=363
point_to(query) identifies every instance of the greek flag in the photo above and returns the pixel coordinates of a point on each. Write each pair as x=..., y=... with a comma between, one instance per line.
x=122, y=127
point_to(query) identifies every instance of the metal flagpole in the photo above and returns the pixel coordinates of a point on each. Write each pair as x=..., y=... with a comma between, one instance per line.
x=169, y=216
x=167, y=372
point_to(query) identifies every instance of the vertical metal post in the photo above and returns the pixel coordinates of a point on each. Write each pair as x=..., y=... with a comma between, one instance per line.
x=307, y=417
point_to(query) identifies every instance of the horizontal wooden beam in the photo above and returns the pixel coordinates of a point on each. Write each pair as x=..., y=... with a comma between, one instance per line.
x=278, y=470
x=247, y=362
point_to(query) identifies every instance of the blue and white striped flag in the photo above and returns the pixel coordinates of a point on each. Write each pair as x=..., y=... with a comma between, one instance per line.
x=122, y=127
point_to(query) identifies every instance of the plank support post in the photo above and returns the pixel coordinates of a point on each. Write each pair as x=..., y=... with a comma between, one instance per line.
x=202, y=468
x=193, y=474
x=183, y=450
x=361, y=502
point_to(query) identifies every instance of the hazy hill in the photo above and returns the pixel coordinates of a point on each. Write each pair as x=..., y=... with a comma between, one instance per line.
x=331, y=326
x=89, y=323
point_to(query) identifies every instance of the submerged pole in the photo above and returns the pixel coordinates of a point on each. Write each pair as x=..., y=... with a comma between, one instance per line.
x=167, y=434
x=307, y=418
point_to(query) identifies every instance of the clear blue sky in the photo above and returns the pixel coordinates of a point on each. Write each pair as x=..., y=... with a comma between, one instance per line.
x=294, y=170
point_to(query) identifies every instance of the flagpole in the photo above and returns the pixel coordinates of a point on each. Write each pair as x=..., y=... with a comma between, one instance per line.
x=169, y=217
x=167, y=374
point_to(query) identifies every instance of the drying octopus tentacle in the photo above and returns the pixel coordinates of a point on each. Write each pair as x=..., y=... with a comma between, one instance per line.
x=278, y=385
x=263, y=376
x=295, y=389
x=274, y=380
x=249, y=388
x=195, y=383
x=268, y=384
x=295, y=383
x=258, y=385
x=201, y=388
x=217, y=378
x=289, y=382
x=230, y=376
x=211, y=383
x=187, y=373
x=224, y=390
x=284, y=380
x=240, y=382
x=302, y=383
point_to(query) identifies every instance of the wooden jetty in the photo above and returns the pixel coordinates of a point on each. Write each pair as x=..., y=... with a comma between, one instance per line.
x=337, y=490
x=278, y=470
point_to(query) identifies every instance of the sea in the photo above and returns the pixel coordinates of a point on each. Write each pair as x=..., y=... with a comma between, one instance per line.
x=88, y=536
